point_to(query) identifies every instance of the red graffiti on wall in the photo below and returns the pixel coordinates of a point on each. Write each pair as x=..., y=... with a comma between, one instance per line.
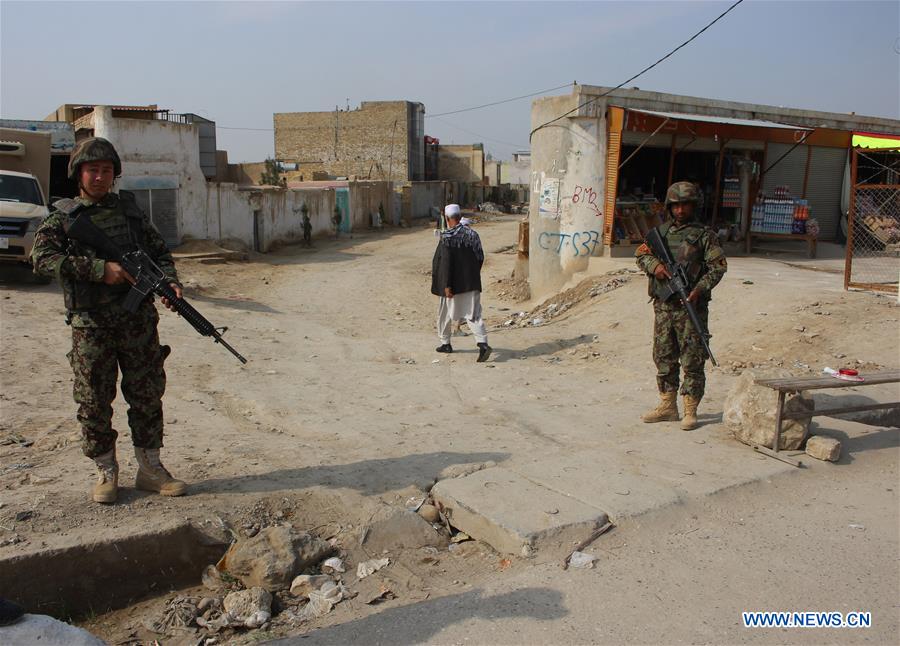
x=587, y=195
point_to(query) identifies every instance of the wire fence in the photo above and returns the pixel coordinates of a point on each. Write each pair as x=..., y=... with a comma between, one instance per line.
x=873, y=240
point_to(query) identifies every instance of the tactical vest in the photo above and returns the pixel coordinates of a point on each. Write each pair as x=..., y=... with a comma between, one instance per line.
x=119, y=217
x=687, y=246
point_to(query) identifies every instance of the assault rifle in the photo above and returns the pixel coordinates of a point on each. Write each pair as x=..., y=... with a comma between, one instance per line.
x=678, y=285
x=148, y=278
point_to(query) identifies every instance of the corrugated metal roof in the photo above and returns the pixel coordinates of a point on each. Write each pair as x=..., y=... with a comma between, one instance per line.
x=756, y=123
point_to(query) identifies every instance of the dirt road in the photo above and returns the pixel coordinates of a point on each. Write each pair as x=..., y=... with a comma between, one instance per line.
x=345, y=406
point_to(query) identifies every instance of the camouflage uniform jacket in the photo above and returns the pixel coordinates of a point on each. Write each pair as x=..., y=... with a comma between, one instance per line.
x=694, y=246
x=80, y=270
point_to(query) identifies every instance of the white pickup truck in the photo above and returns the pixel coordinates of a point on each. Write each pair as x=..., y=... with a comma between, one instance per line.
x=22, y=208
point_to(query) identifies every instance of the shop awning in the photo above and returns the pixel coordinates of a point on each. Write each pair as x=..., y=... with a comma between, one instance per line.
x=706, y=118
x=873, y=140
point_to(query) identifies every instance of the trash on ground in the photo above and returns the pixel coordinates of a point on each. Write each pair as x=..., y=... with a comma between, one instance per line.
x=179, y=614
x=303, y=584
x=334, y=564
x=581, y=560
x=370, y=567
x=321, y=602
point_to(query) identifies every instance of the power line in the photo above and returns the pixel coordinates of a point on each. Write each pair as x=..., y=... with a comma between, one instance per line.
x=643, y=71
x=475, y=134
x=442, y=114
x=487, y=105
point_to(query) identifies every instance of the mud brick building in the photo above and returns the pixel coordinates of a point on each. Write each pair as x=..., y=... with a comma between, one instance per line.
x=380, y=140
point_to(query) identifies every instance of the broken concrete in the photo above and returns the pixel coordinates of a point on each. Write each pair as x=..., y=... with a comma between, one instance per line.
x=303, y=584
x=249, y=608
x=825, y=448
x=272, y=558
x=403, y=530
x=430, y=513
x=750, y=414
x=513, y=514
x=46, y=631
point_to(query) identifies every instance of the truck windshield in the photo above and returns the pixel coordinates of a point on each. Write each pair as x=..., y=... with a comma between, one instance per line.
x=20, y=189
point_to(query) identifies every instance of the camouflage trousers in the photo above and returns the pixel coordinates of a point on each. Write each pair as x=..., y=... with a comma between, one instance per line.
x=98, y=353
x=676, y=344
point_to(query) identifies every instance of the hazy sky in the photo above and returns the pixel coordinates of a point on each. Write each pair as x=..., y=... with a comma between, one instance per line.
x=239, y=62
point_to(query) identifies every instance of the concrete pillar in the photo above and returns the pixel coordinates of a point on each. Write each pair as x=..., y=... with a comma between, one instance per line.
x=568, y=156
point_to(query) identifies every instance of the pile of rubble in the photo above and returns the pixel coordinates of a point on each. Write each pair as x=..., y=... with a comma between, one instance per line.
x=564, y=301
x=489, y=207
x=281, y=577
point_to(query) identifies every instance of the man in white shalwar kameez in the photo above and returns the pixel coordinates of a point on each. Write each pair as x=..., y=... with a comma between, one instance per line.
x=456, y=279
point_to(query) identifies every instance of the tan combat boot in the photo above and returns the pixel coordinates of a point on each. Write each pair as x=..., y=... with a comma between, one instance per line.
x=689, y=421
x=153, y=476
x=107, y=487
x=666, y=411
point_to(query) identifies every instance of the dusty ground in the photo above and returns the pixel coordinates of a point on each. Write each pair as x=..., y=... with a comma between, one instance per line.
x=345, y=407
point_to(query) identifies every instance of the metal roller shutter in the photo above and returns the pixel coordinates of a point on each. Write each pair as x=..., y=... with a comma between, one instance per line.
x=164, y=203
x=788, y=172
x=823, y=189
x=161, y=206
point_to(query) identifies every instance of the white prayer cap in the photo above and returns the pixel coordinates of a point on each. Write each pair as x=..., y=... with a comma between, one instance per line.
x=451, y=211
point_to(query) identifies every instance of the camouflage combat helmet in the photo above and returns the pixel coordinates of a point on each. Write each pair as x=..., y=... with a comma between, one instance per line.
x=91, y=150
x=682, y=192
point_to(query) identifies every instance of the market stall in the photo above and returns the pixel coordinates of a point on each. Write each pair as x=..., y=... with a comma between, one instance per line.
x=760, y=180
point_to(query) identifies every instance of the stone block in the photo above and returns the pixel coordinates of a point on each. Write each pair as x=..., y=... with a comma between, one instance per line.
x=750, y=414
x=272, y=558
x=821, y=447
x=514, y=515
x=403, y=530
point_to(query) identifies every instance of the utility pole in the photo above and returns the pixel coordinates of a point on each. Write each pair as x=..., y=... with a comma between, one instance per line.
x=391, y=156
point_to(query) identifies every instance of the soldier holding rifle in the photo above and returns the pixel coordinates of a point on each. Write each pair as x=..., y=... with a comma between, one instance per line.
x=684, y=261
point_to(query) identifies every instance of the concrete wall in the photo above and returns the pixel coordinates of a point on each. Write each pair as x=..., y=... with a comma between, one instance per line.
x=35, y=160
x=365, y=198
x=229, y=213
x=233, y=212
x=464, y=163
x=570, y=155
x=245, y=174
x=221, y=166
x=492, y=172
x=424, y=196
x=379, y=141
x=158, y=155
x=515, y=172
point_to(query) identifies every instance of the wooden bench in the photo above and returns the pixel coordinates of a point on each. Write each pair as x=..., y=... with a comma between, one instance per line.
x=758, y=235
x=796, y=384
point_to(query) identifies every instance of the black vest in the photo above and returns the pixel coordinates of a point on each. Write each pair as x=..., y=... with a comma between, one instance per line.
x=120, y=218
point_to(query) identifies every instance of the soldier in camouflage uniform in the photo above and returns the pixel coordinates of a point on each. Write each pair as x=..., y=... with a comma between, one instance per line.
x=695, y=247
x=105, y=337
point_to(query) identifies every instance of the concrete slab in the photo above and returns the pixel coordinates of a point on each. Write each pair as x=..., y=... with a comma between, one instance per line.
x=630, y=483
x=513, y=514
